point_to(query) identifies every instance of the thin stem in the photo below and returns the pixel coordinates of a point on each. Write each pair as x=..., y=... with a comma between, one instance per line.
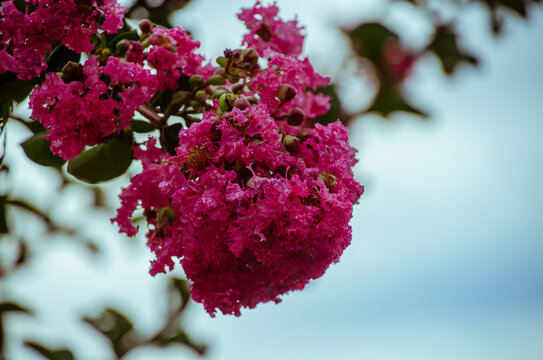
x=150, y=115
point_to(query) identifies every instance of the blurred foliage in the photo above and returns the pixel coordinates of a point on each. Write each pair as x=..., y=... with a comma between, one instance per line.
x=158, y=11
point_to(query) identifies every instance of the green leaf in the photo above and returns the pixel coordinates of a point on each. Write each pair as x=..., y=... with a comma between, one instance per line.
x=102, y=162
x=115, y=326
x=4, y=229
x=61, y=354
x=140, y=126
x=12, y=307
x=13, y=89
x=127, y=35
x=335, y=106
x=38, y=150
x=369, y=40
x=59, y=57
x=445, y=46
x=170, y=137
x=390, y=99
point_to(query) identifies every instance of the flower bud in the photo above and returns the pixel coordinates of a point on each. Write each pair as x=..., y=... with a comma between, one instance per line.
x=253, y=100
x=196, y=81
x=201, y=95
x=295, y=116
x=224, y=105
x=329, y=179
x=215, y=80
x=72, y=71
x=165, y=213
x=241, y=103
x=221, y=60
x=286, y=93
x=236, y=89
x=290, y=142
x=250, y=55
x=146, y=26
x=217, y=94
x=231, y=97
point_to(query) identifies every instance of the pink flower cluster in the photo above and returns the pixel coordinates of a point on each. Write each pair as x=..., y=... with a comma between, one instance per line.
x=268, y=31
x=88, y=110
x=248, y=219
x=26, y=36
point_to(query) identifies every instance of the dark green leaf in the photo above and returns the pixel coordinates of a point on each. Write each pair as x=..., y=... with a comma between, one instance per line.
x=170, y=137
x=445, y=46
x=390, y=99
x=180, y=337
x=115, y=326
x=61, y=354
x=102, y=162
x=4, y=229
x=180, y=290
x=60, y=56
x=24, y=205
x=370, y=39
x=335, y=106
x=140, y=126
x=39, y=150
x=13, y=89
x=127, y=35
x=12, y=307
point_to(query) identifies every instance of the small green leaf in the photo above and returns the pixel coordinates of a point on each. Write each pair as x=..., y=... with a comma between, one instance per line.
x=102, y=162
x=38, y=150
x=140, y=126
x=61, y=354
x=115, y=326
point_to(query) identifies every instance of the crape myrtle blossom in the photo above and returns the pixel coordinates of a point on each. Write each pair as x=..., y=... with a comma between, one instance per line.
x=268, y=31
x=26, y=34
x=248, y=219
x=85, y=111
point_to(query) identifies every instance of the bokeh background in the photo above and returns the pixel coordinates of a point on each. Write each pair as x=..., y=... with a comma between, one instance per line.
x=446, y=257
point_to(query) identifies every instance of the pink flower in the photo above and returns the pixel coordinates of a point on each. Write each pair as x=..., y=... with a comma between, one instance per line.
x=268, y=31
x=248, y=219
x=26, y=37
x=84, y=112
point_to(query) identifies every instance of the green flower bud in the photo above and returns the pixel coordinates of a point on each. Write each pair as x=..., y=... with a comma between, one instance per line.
x=215, y=80
x=201, y=95
x=290, y=142
x=241, y=103
x=196, y=81
x=221, y=60
x=224, y=105
x=236, y=89
x=231, y=97
x=165, y=213
x=146, y=26
x=217, y=94
x=329, y=179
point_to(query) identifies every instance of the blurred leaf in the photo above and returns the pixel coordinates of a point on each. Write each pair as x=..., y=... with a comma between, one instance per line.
x=445, y=46
x=170, y=137
x=180, y=337
x=335, y=111
x=115, y=326
x=140, y=126
x=38, y=150
x=369, y=41
x=13, y=89
x=61, y=354
x=126, y=35
x=24, y=205
x=157, y=14
x=3, y=216
x=181, y=288
x=12, y=307
x=59, y=57
x=390, y=99
x=102, y=162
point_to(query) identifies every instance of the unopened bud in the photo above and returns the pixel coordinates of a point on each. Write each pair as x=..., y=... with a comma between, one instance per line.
x=196, y=81
x=250, y=55
x=72, y=71
x=221, y=60
x=295, y=116
x=224, y=105
x=241, y=103
x=253, y=100
x=236, y=89
x=201, y=95
x=217, y=94
x=329, y=179
x=286, y=93
x=231, y=97
x=165, y=213
x=290, y=141
x=215, y=80
x=146, y=26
